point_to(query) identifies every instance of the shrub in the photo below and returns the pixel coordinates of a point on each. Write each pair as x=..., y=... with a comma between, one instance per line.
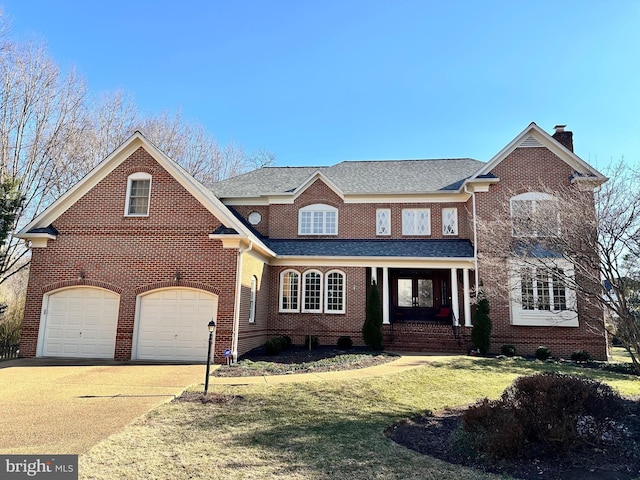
x=372, y=328
x=286, y=340
x=562, y=411
x=581, y=356
x=481, y=332
x=543, y=353
x=313, y=339
x=273, y=346
x=345, y=342
x=559, y=411
x=494, y=430
x=508, y=350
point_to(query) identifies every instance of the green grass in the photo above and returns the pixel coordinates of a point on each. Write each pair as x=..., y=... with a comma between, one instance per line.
x=619, y=355
x=318, y=430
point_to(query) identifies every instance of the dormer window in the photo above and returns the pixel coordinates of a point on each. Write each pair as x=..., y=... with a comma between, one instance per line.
x=318, y=219
x=138, y=195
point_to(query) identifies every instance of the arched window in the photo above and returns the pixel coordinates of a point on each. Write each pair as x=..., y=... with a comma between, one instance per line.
x=334, y=292
x=312, y=291
x=252, y=299
x=318, y=219
x=535, y=214
x=290, y=291
x=138, y=195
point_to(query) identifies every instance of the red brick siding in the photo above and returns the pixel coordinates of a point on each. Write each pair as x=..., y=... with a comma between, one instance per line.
x=355, y=220
x=130, y=254
x=527, y=170
x=328, y=327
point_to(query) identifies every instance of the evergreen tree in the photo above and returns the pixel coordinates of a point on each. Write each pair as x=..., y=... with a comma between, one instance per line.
x=481, y=332
x=372, y=328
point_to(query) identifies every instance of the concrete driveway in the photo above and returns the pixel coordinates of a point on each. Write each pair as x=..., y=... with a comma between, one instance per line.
x=54, y=407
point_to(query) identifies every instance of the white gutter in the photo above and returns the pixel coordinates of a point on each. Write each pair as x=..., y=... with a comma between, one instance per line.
x=475, y=238
x=236, y=308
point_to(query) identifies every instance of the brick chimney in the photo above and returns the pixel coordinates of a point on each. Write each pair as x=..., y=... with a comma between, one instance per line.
x=563, y=136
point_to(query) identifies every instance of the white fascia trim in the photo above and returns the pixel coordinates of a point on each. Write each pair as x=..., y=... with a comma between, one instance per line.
x=238, y=240
x=588, y=183
x=317, y=175
x=100, y=171
x=279, y=199
x=547, y=141
x=38, y=240
x=479, y=185
x=453, y=197
x=392, y=262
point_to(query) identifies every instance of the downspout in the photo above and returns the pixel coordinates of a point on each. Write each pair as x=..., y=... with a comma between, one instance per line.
x=475, y=239
x=236, y=308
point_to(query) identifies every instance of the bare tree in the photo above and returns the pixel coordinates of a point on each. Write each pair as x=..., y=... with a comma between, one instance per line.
x=41, y=110
x=579, y=241
x=52, y=133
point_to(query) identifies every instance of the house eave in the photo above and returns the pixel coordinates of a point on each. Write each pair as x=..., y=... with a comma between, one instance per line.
x=374, y=261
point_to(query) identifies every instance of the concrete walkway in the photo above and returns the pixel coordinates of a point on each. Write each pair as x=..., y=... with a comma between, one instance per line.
x=405, y=362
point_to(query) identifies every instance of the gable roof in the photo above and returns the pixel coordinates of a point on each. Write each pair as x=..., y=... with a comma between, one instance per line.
x=355, y=178
x=534, y=136
x=39, y=225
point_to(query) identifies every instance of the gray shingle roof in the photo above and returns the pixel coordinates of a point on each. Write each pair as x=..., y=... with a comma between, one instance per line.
x=429, y=248
x=356, y=177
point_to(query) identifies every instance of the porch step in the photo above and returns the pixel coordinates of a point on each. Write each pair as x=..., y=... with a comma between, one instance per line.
x=426, y=337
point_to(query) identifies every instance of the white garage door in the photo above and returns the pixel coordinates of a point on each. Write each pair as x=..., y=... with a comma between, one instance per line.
x=172, y=325
x=81, y=322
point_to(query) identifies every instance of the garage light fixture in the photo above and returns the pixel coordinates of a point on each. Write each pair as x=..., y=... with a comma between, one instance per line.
x=177, y=276
x=81, y=275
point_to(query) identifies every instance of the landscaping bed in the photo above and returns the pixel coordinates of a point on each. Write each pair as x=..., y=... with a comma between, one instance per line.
x=430, y=434
x=299, y=359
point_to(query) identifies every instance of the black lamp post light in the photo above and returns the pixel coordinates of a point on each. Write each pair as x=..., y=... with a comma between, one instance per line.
x=212, y=329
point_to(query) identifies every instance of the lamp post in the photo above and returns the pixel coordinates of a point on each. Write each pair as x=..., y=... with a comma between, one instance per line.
x=212, y=329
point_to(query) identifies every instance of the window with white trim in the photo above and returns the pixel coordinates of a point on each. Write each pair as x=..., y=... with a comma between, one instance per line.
x=534, y=214
x=416, y=221
x=252, y=299
x=312, y=291
x=290, y=291
x=334, y=292
x=138, y=195
x=318, y=219
x=383, y=221
x=541, y=296
x=449, y=221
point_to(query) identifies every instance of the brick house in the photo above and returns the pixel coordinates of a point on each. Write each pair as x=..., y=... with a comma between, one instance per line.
x=137, y=258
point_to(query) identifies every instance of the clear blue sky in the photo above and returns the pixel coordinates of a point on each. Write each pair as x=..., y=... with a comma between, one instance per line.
x=318, y=82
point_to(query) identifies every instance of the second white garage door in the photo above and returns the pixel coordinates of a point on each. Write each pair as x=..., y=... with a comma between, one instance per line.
x=172, y=325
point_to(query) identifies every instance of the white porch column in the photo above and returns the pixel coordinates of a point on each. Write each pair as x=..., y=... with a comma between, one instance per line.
x=454, y=297
x=385, y=295
x=374, y=275
x=467, y=298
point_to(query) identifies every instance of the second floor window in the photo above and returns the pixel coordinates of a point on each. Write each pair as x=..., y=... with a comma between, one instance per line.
x=138, y=195
x=318, y=219
x=416, y=221
x=449, y=221
x=534, y=214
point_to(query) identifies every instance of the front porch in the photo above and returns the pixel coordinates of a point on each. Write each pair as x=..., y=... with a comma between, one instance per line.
x=425, y=309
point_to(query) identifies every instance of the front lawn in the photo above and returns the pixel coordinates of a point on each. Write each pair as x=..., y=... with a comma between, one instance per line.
x=317, y=430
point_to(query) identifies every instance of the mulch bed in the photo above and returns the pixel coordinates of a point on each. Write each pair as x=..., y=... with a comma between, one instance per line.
x=299, y=359
x=620, y=459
